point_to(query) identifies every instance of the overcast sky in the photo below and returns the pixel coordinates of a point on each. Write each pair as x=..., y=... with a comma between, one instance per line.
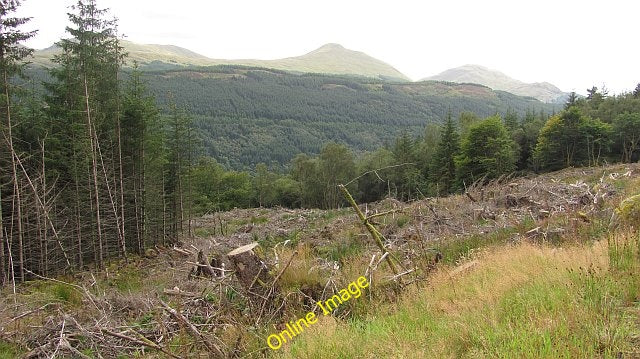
x=572, y=44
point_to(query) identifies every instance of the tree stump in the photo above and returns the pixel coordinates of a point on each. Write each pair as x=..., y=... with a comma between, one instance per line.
x=251, y=271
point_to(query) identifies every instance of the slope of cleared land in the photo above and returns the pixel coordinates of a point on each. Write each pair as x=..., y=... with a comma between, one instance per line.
x=530, y=267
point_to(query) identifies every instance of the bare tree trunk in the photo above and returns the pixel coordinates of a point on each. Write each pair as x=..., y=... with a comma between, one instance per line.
x=94, y=170
x=3, y=274
x=180, y=218
x=45, y=252
x=189, y=159
x=78, y=222
x=14, y=169
x=123, y=246
x=164, y=211
x=43, y=207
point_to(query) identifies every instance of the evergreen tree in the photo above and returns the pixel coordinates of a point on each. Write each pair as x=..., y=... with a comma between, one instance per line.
x=336, y=167
x=142, y=161
x=443, y=167
x=571, y=100
x=12, y=55
x=84, y=104
x=374, y=186
x=406, y=177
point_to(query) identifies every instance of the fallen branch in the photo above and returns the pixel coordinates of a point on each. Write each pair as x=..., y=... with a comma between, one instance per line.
x=146, y=342
x=178, y=292
x=28, y=313
x=192, y=330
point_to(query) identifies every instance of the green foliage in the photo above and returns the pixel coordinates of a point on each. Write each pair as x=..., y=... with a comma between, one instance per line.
x=487, y=151
x=215, y=189
x=319, y=177
x=341, y=249
x=406, y=178
x=376, y=174
x=571, y=139
x=626, y=126
x=252, y=115
x=443, y=168
x=127, y=280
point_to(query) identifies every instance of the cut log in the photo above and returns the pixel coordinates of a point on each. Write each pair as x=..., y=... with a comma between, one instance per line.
x=251, y=271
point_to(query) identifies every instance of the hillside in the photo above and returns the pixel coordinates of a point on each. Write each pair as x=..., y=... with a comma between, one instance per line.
x=330, y=58
x=252, y=115
x=496, y=80
x=532, y=267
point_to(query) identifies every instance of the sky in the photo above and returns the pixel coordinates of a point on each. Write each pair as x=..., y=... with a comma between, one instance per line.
x=572, y=44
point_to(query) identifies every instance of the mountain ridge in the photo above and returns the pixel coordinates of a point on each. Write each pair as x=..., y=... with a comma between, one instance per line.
x=494, y=79
x=329, y=58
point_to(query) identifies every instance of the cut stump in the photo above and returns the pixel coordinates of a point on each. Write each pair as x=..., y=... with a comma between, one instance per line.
x=251, y=271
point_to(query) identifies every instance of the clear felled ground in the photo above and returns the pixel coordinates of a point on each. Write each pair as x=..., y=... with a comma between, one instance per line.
x=536, y=267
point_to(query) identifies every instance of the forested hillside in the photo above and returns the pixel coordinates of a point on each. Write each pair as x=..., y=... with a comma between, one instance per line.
x=253, y=115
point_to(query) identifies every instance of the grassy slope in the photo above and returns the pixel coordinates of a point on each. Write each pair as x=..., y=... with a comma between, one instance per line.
x=330, y=58
x=575, y=299
x=517, y=301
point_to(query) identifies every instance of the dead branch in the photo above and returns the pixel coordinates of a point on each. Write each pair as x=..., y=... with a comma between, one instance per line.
x=145, y=342
x=178, y=292
x=374, y=232
x=213, y=349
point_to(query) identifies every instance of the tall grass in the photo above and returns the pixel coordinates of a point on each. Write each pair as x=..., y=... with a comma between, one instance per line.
x=519, y=301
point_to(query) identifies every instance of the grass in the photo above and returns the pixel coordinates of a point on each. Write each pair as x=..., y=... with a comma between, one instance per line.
x=518, y=301
x=9, y=351
x=342, y=248
x=303, y=272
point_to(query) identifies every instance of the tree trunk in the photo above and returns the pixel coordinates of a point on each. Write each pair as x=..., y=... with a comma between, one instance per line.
x=17, y=204
x=94, y=172
x=3, y=274
x=45, y=253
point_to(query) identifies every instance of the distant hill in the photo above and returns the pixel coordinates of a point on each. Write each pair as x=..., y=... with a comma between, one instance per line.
x=330, y=59
x=249, y=115
x=496, y=80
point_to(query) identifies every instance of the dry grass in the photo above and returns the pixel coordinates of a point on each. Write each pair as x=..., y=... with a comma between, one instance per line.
x=523, y=300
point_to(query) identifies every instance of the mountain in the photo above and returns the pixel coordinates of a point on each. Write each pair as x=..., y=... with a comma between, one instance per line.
x=248, y=115
x=497, y=80
x=330, y=58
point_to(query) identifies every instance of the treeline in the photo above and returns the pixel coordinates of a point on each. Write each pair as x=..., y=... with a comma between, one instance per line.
x=445, y=159
x=90, y=170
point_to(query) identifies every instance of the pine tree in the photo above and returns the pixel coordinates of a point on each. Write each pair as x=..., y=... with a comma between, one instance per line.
x=141, y=144
x=12, y=55
x=443, y=167
x=406, y=177
x=86, y=97
x=180, y=143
